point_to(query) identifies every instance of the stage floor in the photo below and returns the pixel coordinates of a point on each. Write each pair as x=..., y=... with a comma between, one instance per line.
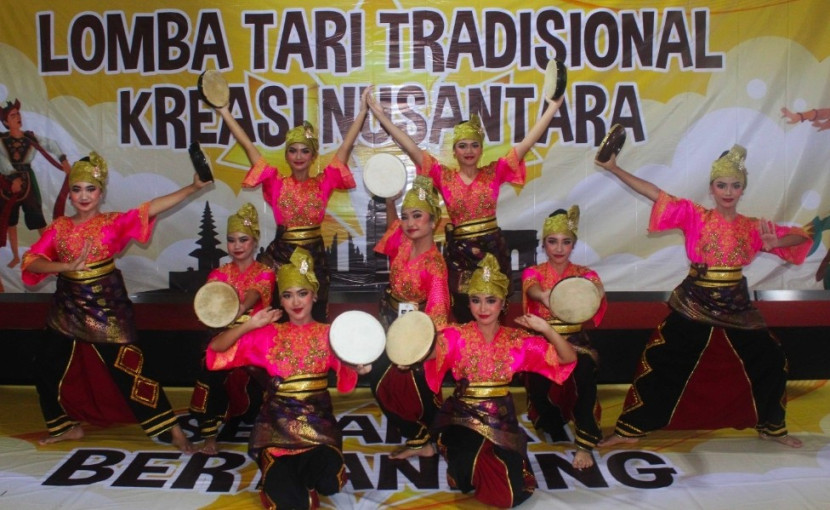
x=118, y=468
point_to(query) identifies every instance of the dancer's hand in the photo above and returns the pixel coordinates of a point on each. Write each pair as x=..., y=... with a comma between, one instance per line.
x=79, y=263
x=609, y=165
x=768, y=236
x=533, y=322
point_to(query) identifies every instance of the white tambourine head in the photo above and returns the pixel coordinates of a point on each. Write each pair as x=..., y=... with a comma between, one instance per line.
x=384, y=175
x=575, y=300
x=410, y=338
x=357, y=337
x=216, y=304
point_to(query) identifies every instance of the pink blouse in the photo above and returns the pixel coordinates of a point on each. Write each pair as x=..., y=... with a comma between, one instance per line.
x=299, y=203
x=464, y=350
x=477, y=200
x=285, y=350
x=423, y=278
x=108, y=234
x=257, y=276
x=712, y=240
x=546, y=277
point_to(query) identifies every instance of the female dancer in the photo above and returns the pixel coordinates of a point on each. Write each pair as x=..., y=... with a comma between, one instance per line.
x=712, y=304
x=559, y=234
x=477, y=430
x=91, y=305
x=254, y=284
x=470, y=193
x=295, y=439
x=417, y=280
x=299, y=200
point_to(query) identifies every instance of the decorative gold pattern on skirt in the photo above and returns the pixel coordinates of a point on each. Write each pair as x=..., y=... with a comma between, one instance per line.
x=145, y=391
x=130, y=360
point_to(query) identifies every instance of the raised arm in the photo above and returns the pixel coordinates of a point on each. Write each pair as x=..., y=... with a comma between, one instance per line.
x=770, y=239
x=535, y=293
x=641, y=186
x=225, y=340
x=160, y=204
x=240, y=135
x=539, y=127
x=250, y=298
x=564, y=349
x=345, y=150
x=42, y=265
x=404, y=141
x=391, y=211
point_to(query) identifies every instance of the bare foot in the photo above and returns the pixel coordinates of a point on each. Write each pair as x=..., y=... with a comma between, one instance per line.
x=405, y=452
x=180, y=440
x=74, y=434
x=615, y=439
x=582, y=459
x=209, y=448
x=786, y=440
x=15, y=261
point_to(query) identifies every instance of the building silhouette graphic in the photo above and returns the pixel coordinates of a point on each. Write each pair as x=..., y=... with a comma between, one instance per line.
x=362, y=269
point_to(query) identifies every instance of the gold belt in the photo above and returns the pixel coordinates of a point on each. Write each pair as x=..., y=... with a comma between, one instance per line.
x=95, y=271
x=487, y=390
x=394, y=301
x=717, y=276
x=301, y=235
x=475, y=228
x=307, y=383
x=564, y=328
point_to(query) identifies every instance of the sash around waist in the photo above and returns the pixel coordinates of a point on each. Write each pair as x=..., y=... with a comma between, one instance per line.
x=96, y=270
x=487, y=390
x=475, y=228
x=305, y=383
x=715, y=276
x=394, y=300
x=302, y=234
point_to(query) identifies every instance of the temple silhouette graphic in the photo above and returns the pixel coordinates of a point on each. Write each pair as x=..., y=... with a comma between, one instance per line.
x=364, y=269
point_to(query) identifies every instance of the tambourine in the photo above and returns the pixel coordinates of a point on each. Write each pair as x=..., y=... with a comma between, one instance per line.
x=575, y=299
x=200, y=162
x=611, y=144
x=216, y=304
x=410, y=338
x=384, y=175
x=357, y=337
x=214, y=89
x=556, y=79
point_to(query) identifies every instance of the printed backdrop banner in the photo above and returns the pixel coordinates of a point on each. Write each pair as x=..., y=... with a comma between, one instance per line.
x=687, y=82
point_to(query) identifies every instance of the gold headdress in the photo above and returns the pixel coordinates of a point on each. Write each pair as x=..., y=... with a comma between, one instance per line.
x=423, y=196
x=246, y=220
x=302, y=134
x=299, y=272
x=488, y=278
x=470, y=130
x=562, y=223
x=92, y=169
x=730, y=164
